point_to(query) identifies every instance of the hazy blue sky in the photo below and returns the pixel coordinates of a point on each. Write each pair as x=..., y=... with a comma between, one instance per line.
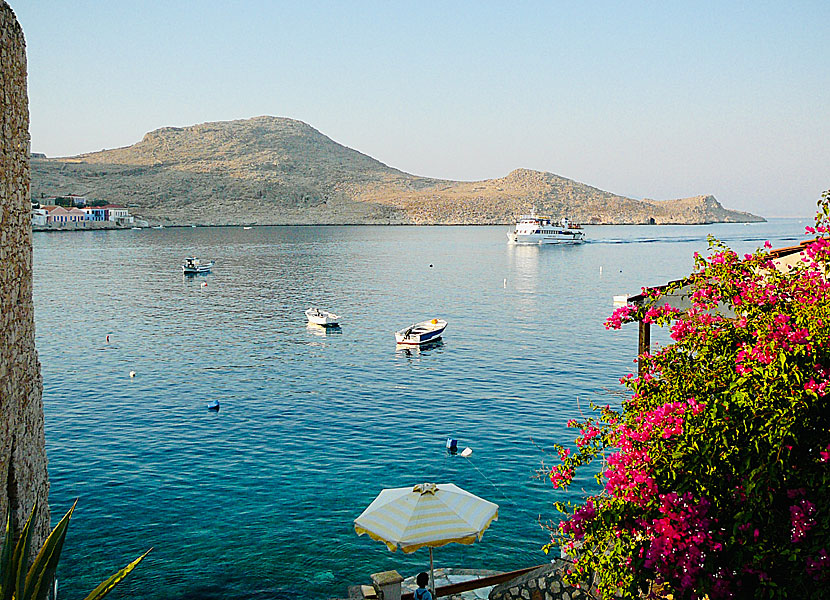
x=657, y=100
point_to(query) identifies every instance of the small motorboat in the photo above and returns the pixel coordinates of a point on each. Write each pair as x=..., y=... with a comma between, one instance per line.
x=193, y=266
x=321, y=317
x=421, y=333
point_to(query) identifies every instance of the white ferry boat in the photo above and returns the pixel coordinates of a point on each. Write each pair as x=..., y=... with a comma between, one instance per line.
x=532, y=229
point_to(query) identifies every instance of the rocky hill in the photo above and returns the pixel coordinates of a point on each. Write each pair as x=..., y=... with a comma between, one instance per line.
x=270, y=170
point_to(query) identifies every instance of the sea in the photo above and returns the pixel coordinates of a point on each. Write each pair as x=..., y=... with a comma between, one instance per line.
x=257, y=500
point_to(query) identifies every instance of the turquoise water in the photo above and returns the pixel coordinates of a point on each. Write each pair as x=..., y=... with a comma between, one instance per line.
x=257, y=500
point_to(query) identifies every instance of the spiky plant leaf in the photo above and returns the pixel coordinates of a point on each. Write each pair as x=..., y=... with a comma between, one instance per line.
x=104, y=588
x=6, y=580
x=21, y=554
x=42, y=571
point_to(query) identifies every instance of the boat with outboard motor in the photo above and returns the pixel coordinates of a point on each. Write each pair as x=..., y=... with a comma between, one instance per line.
x=321, y=317
x=421, y=333
x=194, y=266
x=533, y=229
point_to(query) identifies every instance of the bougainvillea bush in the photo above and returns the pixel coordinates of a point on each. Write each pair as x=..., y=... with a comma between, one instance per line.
x=715, y=471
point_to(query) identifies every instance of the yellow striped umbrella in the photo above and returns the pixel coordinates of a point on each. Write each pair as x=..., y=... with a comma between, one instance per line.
x=427, y=514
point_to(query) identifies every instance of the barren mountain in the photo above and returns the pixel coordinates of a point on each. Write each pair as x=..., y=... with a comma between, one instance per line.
x=270, y=170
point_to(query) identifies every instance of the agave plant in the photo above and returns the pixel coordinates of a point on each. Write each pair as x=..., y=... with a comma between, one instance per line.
x=16, y=583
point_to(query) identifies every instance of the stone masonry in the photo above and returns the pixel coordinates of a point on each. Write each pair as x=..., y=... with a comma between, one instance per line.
x=23, y=474
x=545, y=583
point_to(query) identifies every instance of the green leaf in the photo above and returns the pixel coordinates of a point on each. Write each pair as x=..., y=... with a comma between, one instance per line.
x=6, y=585
x=21, y=555
x=106, y=586
x=42, y=572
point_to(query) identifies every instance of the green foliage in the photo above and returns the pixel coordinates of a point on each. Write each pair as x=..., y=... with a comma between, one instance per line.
x=16, y=583
x=716, y=470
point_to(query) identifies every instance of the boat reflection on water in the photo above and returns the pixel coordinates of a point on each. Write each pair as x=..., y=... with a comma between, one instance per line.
x=525, y=266
x=425, y=348
x=323, y=330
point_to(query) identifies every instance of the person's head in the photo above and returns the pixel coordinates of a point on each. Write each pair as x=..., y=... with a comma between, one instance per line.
x=422, y=579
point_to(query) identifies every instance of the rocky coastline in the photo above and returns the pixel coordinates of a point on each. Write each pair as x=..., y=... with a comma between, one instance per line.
x=278, y=171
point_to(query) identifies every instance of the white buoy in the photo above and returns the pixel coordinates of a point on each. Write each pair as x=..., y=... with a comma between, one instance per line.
x=466, y=452
x=204, y=284
x=132, y=373
x=505, y=283
x=600, y=269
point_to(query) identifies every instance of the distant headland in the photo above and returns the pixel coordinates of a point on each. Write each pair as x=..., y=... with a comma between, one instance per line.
x=279, y=171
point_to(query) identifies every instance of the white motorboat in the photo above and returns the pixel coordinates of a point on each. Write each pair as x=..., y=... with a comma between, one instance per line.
x=533, y=229
x=321, y=317
x=193, y=266
x=421, y=333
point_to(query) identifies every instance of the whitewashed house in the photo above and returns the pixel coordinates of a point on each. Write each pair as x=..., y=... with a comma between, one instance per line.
x=39, y=217
x=118, y=214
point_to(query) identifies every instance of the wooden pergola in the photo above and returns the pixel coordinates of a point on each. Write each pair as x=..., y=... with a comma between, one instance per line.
x=783, y=258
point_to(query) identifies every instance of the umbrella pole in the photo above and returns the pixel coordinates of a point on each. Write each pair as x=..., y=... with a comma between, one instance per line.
x=431, y=575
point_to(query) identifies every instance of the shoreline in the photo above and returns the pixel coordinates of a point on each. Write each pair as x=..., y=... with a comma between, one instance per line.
x=92, y=226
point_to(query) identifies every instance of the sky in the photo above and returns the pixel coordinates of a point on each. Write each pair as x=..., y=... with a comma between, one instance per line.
x=644, y=99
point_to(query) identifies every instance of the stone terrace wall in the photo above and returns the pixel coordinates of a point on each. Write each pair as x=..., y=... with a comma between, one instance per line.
x=23, y=475
x=544, y=583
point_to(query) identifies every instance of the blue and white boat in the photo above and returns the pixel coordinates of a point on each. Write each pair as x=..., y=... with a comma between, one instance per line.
x=421, y=333
x=194, y=266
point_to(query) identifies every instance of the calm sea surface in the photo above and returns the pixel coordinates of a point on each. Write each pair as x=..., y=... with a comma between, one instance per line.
x=257, y=501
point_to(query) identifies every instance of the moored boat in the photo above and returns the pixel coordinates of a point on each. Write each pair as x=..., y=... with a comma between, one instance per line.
x=421, y=333
x=193, y=266
x=321, y=317
x=533, y=229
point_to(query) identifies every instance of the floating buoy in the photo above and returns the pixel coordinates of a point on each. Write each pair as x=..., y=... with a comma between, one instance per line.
x=600, y=269
x=204, y=284
x=108, y=339
x=430, y=266
x=132, y=373
x=466, y=452
x=213, y=405
x=452, y=445
x=505, y=283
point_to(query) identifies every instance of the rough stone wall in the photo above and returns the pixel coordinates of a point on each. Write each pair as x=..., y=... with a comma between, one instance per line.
x=544, y=583
x=23, y=475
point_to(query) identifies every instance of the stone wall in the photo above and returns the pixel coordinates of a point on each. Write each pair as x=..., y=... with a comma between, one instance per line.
x=544, y=583
x=23, y=475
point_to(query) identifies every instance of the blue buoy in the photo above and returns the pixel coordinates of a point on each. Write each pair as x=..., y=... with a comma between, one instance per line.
x=213, y=405
x=452, y=445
